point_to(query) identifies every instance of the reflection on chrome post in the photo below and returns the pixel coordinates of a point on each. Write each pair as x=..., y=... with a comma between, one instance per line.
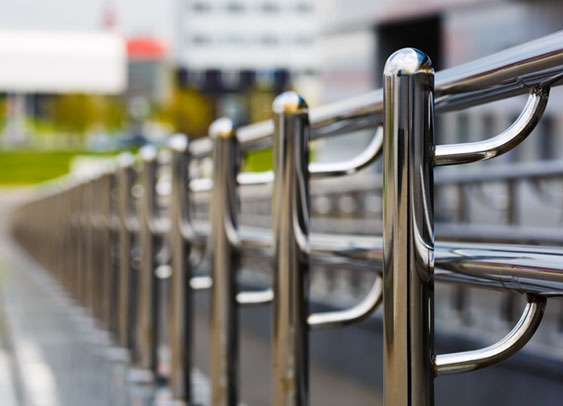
x=290, y=225
x=408, y=232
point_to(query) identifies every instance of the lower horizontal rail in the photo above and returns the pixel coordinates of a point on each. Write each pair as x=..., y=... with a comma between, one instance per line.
x=521, y=268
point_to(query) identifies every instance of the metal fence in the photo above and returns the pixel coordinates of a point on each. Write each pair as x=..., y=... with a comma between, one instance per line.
x=111, y=238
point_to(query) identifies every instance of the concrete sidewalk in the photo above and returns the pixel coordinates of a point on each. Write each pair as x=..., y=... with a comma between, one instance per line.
x=51, y=352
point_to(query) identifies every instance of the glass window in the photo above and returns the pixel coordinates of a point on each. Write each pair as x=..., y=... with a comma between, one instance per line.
x=269, y=40
x=200, y=39
x=201, y=7
x=235, y=7
x=303, y=40
x=270, y=7
x=303, y=7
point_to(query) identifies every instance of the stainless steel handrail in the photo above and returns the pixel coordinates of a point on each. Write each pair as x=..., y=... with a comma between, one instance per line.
x=407, y=261
x=504, y=348
x=508, y=139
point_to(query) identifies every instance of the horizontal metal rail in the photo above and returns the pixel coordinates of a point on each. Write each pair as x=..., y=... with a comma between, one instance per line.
x=526, y=269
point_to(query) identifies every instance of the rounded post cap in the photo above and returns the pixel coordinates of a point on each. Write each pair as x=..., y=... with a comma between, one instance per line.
x=148, y=153
x=222, y=128
x=289, y=103
x=108, y=169
x=407, y=61
x=178, y=142
x=125, y=159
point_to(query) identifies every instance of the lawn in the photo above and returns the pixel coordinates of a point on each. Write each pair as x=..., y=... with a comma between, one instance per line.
x=29, y=167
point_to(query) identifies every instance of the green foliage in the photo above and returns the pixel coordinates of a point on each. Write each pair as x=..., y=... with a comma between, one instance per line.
x=78, y=113
x=188, y=111
x=74, y=113
x=29, y=167
x=263, y=160
x=113, y=114
x=258, y=161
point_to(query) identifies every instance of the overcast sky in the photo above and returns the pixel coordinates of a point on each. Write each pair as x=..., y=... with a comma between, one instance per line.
x=134, y=17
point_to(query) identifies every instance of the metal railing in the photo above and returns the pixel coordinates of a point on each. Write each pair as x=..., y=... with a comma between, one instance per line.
x=108, y=238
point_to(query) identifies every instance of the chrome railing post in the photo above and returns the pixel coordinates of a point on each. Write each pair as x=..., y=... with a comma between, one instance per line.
x=224, y=263
x=290, y=226
x=106, y=271
x=89, y=194
x=113, y=252
x=95, y=260
x=146, y=346
x=125, y=241
x=408, y=236
x=181, y=301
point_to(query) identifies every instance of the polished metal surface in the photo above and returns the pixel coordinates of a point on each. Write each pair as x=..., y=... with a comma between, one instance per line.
x=125, y=296
x=224, y=264
x=408, y=233
x=147, y=301
x=290, y=226
x=519, y=268
x=499, y=351
x=357, y=313
x=504, y=142
x=181, y=301
x=349, y=167
x=105, y=239
x=316, y=169
x=96, y=217
x=526, y=269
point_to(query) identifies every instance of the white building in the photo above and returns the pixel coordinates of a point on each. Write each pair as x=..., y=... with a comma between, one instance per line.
x=226, y=45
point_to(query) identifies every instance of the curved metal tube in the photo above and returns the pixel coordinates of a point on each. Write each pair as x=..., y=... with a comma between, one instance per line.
x=509, y=345
x=321, y=169
x=350, y=166
x=481, y=150
x=255, y=178
x=201, y=282
x=355, y=314
x=258, y=297
x=201, y=185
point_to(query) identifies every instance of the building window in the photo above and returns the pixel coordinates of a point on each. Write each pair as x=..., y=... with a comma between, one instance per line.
x=235, y=40
x=269, y=40
x=201, y=7
x=303, y=41
x=235, y=7
x=200, y=40
x=303, y=7
x=270, y=7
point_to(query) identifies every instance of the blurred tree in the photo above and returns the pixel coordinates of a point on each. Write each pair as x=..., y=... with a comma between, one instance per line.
x=260, y=99
x=259, y=107
x=74, y=113
x=114, y=113
x=187, y=111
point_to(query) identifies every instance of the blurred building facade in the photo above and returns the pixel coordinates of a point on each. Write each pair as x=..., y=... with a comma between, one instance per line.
x=146, y=69
x=243, y=51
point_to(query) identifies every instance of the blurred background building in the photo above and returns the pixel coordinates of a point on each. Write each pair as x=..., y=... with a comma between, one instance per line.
x=189, y=61
x=245, y=52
